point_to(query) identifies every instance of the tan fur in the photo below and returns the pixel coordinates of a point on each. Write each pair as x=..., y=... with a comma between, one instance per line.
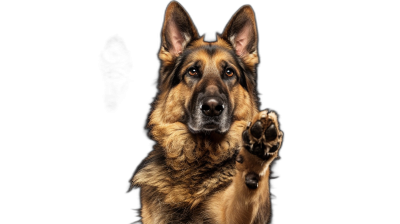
x=197, y=174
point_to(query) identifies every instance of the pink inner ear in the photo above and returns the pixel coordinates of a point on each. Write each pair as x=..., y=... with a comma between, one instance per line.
x=241, y=41
x=176, y=39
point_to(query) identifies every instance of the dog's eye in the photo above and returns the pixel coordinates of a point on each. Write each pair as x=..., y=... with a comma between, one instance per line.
x=229, y=72
x=193, y=71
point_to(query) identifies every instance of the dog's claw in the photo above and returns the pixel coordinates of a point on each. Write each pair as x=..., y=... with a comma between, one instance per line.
x=248, y=124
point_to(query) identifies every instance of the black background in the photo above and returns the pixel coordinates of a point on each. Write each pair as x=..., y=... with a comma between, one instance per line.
x=303, y=50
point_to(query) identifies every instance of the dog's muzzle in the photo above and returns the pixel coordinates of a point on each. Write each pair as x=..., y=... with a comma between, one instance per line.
x=210, y=114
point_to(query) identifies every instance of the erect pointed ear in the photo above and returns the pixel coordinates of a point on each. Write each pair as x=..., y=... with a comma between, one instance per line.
x=178, y=30
x=241, y=32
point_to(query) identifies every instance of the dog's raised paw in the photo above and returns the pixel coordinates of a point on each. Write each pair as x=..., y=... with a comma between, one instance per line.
x=262, y=136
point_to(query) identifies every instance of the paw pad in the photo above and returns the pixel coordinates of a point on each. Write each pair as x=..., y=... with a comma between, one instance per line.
x=271, y=133
x=251, y=180
x=263, y=138
x=256, y=129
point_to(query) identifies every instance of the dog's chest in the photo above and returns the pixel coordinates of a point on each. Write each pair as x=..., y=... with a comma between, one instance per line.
x=196, y=182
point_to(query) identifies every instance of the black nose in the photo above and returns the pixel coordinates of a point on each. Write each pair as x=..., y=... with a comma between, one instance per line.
x=212, y=107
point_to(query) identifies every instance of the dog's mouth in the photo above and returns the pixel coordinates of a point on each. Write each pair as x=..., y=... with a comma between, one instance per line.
x=211, y=126
x=218, y=124
x=207, y=128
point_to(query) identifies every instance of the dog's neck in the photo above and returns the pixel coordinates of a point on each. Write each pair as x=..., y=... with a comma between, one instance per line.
x=186, y=149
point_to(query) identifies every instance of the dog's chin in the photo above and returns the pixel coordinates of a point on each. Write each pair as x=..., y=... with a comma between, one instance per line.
x=207, y=129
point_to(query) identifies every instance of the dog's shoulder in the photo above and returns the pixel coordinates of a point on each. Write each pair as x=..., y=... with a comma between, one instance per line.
x=148, y=167
x=155, y=157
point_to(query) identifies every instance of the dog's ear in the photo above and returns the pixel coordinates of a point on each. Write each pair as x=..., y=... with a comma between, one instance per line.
x=178, y=30
x=241, y=32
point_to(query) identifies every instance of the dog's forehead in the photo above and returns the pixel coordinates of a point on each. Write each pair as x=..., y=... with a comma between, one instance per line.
x=210, y=53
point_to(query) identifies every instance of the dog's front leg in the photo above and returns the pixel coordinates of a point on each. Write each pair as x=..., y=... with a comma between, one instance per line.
x=247, y=200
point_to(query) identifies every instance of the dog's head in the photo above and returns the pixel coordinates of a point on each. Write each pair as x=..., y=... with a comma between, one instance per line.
x=207, y=85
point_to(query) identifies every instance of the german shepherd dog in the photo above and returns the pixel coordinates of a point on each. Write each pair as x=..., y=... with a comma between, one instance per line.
x=214, y=147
